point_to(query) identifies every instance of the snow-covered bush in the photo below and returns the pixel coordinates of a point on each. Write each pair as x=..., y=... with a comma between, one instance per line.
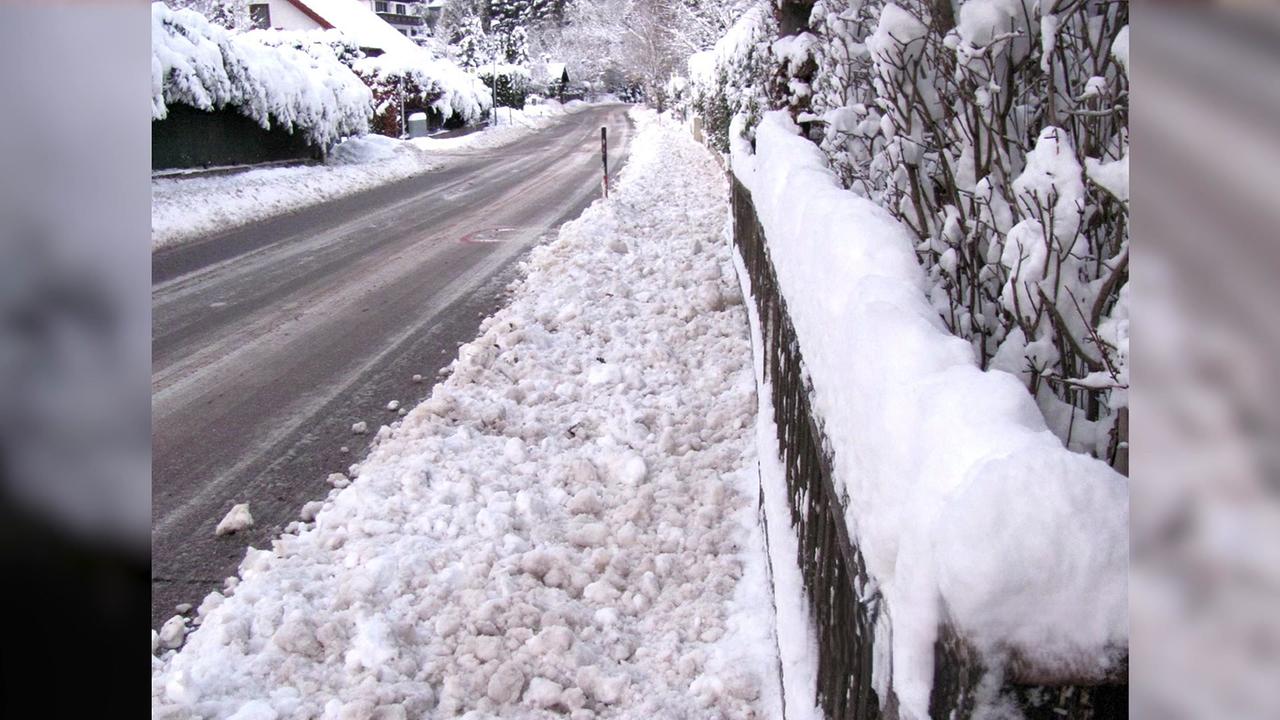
x=512, y=86
x=312, y=42
x=418, y=79
x=998, y=133
x=275, y=83
x=731, y=79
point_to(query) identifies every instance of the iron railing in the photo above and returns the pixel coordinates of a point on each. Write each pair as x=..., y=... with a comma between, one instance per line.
x=843, y=604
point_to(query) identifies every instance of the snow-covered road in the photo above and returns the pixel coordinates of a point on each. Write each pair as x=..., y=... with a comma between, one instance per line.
x=270, y=341
x=567, y=526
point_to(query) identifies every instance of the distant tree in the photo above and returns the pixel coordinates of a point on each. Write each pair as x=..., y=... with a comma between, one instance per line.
x=696, y=25
x=457, y=16
x=473, y=47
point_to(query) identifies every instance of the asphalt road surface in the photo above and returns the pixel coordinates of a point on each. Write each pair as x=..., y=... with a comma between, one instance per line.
x=269, y=341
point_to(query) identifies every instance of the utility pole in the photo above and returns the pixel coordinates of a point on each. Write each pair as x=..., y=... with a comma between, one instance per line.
x=402, y=121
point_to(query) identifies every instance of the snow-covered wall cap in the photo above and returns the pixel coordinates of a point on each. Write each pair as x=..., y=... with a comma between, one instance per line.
x=968, y=510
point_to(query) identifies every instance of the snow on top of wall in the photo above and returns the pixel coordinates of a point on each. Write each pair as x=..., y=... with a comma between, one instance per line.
x=198, y=63
x=461, y=92
x=359, y=23
x=967, y=508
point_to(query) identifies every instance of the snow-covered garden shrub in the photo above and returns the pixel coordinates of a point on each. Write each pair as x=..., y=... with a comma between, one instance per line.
x=417, y=80
x=306, y=89
x=312, y=42
x=731, y=79
x=512, y=86
x=998, y=133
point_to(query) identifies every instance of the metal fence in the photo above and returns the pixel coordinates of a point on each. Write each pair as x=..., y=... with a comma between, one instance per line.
x=843, y=605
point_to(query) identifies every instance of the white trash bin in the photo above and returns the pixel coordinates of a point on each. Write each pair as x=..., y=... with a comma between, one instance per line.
x=418, y=125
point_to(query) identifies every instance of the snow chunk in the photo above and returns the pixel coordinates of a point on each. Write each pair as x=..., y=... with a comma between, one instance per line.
x=627, y=468
x=604, y=374
x=543, y=693
x=505, y=684
x=585, y=502
x=173, y=632
x=237, y=519
x=310, y=510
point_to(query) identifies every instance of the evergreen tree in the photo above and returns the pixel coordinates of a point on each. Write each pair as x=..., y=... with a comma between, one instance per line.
x=474, y=47
x=230, y=14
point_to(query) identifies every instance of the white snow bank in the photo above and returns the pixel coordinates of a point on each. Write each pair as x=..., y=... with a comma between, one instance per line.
x=184, y=208
x=197, y=63
x=365, y=149
x=525, y=543
x=967, y=508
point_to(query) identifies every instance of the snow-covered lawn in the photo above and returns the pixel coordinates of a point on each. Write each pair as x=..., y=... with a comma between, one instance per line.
x=184, y=208
x=567, y=526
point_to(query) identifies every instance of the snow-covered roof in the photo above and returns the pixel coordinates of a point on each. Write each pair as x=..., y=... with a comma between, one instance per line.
x=555, y=70
x=357, y=22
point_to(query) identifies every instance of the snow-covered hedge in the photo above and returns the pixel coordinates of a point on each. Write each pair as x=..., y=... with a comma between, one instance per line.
x=967, y=508
x=197, y=63
x=998, y=133
x=728, y=80
x=427, y=82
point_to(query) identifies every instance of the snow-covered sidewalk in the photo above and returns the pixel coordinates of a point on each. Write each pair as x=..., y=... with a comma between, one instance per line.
x=184, y=208
x=567, y=527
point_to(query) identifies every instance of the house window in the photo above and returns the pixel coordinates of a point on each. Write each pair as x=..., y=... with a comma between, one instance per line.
x=380, y=7
x=400, y=9
x=260, y=15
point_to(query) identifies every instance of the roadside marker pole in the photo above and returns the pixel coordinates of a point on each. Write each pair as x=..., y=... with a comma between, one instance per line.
x=604, y=155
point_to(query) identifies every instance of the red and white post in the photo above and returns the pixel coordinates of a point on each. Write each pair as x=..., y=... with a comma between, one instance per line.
x=604, y=155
